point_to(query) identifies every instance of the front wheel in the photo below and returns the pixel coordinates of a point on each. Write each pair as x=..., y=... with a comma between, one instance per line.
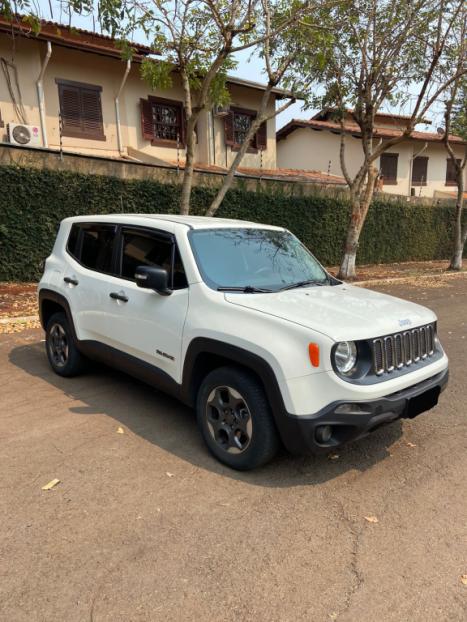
x=235, y=419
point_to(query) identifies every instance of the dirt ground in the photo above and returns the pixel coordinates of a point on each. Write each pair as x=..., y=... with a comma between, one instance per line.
x=145, y=526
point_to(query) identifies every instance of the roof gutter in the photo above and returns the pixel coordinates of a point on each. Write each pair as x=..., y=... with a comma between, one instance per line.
x=117, y=107
x=40, y=94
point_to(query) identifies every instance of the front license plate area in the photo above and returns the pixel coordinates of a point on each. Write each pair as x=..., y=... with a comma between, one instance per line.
x=420, y=403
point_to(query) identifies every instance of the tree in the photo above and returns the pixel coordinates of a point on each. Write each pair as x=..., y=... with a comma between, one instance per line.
x=455, y=116
x=383, y=53
x=198, y=40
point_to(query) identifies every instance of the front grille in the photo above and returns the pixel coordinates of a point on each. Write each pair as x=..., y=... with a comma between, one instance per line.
x=403, y=349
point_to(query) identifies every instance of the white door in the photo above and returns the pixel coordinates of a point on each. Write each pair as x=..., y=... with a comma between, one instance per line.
x=87, y=278
x=144, y=323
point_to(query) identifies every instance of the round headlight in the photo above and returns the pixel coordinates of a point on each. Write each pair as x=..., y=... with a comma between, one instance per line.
x=345, y=356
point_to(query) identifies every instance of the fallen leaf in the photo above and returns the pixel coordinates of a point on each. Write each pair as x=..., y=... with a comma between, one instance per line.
x=371, y=519
x=333, y=457
x=170, y=474
x=464, y=579
x=51, y=484
x=120, y=430
x=409, y=444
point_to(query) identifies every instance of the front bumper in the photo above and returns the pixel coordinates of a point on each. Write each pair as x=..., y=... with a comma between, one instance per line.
x=351, y=420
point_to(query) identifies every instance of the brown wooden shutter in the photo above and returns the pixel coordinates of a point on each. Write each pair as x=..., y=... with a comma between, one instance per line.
x=229, y=129
x=70, y=108
x=451, y=173
x=147, y=128
x=388, y=166
x=420, y=171
x=91, y=112
x=262, y=136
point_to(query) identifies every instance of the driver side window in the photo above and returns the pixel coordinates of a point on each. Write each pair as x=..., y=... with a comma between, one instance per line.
x=146, y=249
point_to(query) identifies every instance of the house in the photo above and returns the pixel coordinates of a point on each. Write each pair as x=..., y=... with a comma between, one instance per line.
x=74, y=92
x=418, y=166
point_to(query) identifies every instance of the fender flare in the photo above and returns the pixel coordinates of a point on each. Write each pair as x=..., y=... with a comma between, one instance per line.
x=53, y=296
x=240, y=356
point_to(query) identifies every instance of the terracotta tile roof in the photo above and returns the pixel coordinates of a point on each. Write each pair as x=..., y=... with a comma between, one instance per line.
x=352, y=128
x=70, y=37
x=281, y=174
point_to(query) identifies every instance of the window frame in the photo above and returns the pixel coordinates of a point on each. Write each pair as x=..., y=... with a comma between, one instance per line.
x=163, y=142
x=419, y=184
x=79, y=245
x=156, y=233
x=451, y=182
x=71, y=133
x=389, y=181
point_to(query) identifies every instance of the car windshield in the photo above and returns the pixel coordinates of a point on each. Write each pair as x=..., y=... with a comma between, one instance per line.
x=254, y=259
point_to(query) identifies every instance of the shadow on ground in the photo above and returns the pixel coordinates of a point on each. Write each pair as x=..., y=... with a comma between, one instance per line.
x=164, y=422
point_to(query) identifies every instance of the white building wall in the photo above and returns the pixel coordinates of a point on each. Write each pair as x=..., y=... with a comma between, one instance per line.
x=308, y=149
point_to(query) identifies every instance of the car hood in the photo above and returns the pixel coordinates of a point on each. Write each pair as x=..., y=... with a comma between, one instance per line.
x=342, y=312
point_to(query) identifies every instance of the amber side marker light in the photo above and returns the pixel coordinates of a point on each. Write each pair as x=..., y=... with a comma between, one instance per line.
x=313, y=350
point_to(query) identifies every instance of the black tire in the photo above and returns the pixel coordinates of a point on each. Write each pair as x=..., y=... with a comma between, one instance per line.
x=70, y=362
x=237, y=426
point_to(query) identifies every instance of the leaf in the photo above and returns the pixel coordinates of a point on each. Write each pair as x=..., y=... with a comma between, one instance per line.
x=333, y=457
x=371, y=519
x=120, y=430
x=51, y=484
x=409, y=444
x=170, y=474
x=464, y=579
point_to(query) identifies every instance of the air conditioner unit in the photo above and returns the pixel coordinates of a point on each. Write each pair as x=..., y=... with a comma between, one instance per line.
x=24, y=135
x=221, y=111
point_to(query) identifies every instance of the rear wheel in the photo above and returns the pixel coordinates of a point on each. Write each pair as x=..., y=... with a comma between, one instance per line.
x=235, y=419
x=64, y=357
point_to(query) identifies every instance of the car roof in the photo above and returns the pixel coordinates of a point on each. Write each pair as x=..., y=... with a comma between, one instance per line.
x=192, y=222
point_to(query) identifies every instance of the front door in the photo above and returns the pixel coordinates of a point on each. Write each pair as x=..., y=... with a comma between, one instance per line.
x=145, y=324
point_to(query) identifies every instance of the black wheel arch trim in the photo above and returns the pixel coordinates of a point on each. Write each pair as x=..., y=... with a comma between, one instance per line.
x=201, y=346
x=53, y=296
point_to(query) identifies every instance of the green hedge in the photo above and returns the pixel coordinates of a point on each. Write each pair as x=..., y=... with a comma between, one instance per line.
x=32, y=203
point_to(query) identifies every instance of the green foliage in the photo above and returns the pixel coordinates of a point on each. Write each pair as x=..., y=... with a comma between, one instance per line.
x=33, y=202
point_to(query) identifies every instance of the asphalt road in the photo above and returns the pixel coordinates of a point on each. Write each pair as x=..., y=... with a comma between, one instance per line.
x=146, y=526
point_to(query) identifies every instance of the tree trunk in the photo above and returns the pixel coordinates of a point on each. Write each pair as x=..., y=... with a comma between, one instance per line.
x=360, y=204
x=459, y=236
x=347, y=269
x=188, y=171
x=216, y=202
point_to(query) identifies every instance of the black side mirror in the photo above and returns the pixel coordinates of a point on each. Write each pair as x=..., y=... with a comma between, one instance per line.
x=153, y=278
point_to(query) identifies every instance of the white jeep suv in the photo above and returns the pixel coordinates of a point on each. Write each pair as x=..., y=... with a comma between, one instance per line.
x=241, y=321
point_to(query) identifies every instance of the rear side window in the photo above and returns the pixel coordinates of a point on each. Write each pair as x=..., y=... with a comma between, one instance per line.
x=72, y=245
x=146, y=249
x=92, y=245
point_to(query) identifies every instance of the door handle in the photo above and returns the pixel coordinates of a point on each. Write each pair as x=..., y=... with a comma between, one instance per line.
x=70, y=281
x=117, y=296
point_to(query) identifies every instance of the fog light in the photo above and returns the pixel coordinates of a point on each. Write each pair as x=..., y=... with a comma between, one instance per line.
x=323, y=433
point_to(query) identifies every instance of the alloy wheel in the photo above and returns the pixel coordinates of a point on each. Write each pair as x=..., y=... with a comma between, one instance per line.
x=229, y=419
x=58, y=345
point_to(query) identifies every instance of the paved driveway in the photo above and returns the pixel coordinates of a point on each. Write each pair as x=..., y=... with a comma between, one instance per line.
x=145, y=525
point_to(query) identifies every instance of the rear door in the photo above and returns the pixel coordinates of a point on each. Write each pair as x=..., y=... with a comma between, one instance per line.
x=89, y=274
x=144, y=323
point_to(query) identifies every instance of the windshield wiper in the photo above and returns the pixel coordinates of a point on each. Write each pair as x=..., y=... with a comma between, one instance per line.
x=303, y=284
x=246, y=289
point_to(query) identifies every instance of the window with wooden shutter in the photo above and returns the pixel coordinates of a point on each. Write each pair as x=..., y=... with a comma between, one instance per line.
x=236, y=126
x=388, y=168
x=262, y=136
x=420, y=171
x=163, y=122
x=451, y=174
x=81, y=110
